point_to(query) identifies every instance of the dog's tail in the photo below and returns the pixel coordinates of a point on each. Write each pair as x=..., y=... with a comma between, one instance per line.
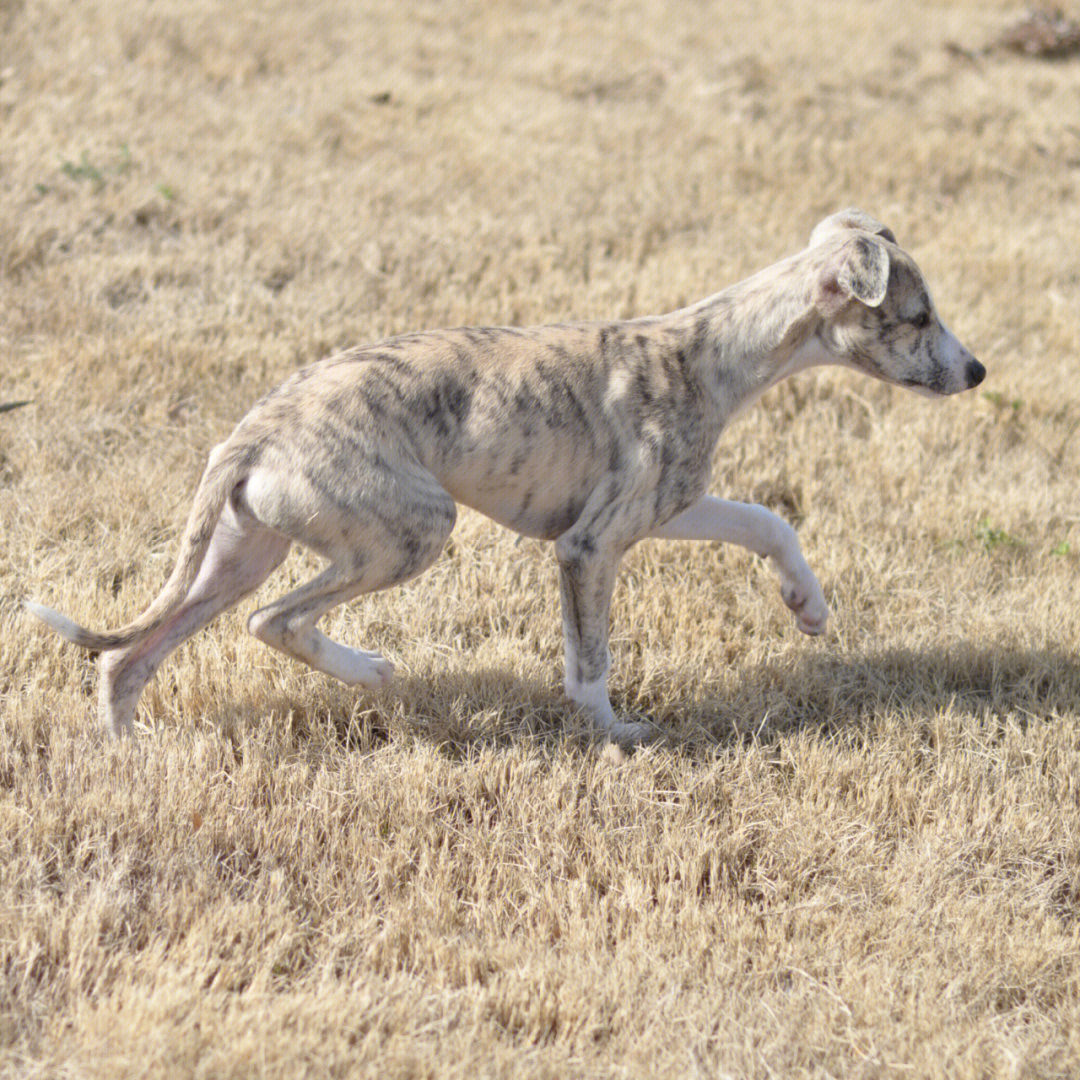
x=227, y=467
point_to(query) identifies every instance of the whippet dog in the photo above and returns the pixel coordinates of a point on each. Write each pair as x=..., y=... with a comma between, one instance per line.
x=594, y=435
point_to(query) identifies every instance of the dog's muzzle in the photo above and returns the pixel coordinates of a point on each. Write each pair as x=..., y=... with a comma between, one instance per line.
x=975, y=373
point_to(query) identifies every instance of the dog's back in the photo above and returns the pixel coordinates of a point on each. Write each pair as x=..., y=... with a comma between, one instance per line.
x=519, y=424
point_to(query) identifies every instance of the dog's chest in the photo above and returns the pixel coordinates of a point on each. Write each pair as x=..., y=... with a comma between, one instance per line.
x=534, y=468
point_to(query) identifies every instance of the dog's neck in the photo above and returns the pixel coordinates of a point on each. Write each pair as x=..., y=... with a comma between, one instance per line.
x=747, y=338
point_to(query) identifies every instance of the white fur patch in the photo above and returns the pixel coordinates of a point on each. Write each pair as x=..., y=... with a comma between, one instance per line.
x=65, y=627
x=593, y=698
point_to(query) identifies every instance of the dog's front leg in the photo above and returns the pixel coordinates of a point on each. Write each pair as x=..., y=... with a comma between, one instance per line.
x=587, y=566
x=762, y=532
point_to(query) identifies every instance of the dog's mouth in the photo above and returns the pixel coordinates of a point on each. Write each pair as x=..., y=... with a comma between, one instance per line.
x=974, y=373
x=922, y=389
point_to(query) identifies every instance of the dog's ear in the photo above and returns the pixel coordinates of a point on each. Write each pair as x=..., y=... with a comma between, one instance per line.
x=850, y=219
x=857, y=270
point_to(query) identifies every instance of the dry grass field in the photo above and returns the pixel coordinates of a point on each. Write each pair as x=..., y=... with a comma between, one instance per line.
x=855, y=856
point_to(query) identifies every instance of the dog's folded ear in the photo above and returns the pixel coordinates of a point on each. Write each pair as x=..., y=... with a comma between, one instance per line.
x=857, y=270
x=850, y=219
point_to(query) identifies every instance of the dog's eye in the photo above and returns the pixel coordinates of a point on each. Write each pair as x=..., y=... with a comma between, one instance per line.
x=921, y=321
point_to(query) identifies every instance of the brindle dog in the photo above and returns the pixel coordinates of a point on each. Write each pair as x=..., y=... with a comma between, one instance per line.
x=593, y=435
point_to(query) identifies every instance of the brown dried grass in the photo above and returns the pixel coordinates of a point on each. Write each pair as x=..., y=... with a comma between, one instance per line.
x=856, y=857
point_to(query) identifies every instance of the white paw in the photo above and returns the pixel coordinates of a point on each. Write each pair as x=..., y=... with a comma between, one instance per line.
x=630, y=733
x=382, y=671
x=367, y=669
x=807, y=602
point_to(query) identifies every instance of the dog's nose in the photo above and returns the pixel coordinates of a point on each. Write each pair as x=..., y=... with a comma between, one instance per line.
x=975, y=373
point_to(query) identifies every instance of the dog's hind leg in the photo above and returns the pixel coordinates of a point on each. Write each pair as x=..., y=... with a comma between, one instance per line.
x=371, y=543
x=240, y=557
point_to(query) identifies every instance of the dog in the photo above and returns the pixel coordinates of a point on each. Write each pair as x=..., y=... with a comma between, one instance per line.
x=593, y=435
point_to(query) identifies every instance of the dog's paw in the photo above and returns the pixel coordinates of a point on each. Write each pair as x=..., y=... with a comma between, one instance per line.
x=630, y=733
x=807, y=603
x=368, y=669
x=382, y=671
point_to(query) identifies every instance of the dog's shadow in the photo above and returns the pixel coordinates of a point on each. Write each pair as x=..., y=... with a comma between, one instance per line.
x=852, y=691
x=849, y=691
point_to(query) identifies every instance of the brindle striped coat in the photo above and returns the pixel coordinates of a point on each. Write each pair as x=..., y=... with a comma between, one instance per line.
x=594, y=435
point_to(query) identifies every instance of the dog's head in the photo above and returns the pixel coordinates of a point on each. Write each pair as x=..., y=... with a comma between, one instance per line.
x=876, y=311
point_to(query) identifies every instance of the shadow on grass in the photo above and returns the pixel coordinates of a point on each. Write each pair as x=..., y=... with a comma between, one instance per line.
x=836, y=692
x=491, y=707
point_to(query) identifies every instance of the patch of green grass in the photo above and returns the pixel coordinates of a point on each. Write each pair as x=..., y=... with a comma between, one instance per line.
x=85, y=170
x=992, y=537
x=1000, y=401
